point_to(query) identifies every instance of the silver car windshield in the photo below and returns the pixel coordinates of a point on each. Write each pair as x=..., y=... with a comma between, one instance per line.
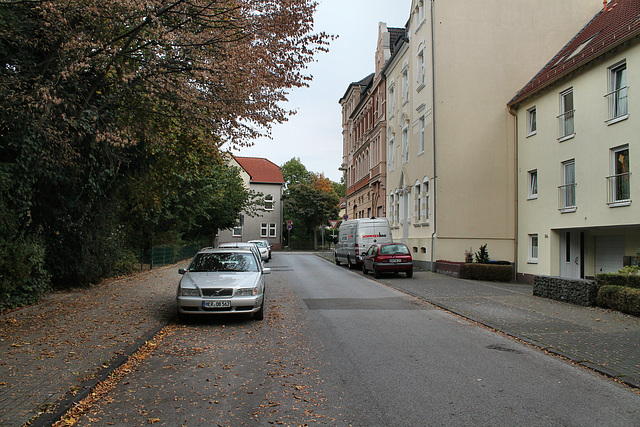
x=209, y=262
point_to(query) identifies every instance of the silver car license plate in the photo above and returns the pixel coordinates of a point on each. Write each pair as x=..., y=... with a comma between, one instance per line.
x=216, y=304
x=395, y=260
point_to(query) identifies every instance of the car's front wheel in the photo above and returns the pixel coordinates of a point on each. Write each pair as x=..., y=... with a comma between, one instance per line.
x=259, y=315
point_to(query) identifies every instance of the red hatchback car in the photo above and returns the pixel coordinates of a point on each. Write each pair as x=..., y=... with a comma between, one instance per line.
x=387, y=257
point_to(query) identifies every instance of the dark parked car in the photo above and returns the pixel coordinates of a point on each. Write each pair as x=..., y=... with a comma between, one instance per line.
x=387, y=257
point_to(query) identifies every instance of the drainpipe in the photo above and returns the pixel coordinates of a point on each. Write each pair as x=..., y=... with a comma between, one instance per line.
x=433, y=130
x=515, y=155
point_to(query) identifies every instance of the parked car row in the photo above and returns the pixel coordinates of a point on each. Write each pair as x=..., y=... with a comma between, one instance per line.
x=367, y=243
x=228, y=279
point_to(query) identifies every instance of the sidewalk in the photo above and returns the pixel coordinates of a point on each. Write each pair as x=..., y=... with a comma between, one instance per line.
x=54, y=352
x=602, y=340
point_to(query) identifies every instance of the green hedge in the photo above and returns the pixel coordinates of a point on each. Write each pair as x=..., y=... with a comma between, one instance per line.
x=617, y=279
x=488, y=272
x=620, y=298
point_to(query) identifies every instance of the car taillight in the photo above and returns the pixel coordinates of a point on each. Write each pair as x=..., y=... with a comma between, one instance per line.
x=357, y=250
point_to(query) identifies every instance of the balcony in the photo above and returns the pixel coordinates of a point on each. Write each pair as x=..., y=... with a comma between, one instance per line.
x=567, y=198
x=618, y=106
x=565, y=126
x=619, y=190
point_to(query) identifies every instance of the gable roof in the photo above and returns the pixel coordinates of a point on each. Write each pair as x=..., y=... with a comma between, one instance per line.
x=617, y=23
x=261, y=170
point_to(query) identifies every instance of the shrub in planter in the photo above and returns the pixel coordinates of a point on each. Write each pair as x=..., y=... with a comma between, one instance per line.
x=620, y=298
x=489, y=272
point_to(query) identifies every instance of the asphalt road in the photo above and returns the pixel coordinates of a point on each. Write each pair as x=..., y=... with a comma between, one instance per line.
x=337, y=348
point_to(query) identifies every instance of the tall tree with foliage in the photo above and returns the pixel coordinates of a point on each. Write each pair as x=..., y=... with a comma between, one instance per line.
x=94, y=92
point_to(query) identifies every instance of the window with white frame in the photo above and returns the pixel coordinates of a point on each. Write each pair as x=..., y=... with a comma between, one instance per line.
x=268, y=202
x=237, y=230
x=390, y=159
x=264, y=229
x=396, y=209
x=532, y=125
x=272, y=229
x=405, y=85
x=618, y=183
x=392, y=99
x=421, y=124
x=405, y=143
x=567, y=191
x=425, y=190
x=566, y=117
x=533, y=248
x=417, y=200
x=390, y=213
x=420, y=67
x=618, y=106
x=532, y=179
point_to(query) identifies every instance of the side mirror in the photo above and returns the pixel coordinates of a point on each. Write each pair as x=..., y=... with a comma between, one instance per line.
x=181, y=271
x=266, y=270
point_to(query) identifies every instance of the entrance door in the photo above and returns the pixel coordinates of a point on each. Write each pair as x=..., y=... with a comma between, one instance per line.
x=571, y=255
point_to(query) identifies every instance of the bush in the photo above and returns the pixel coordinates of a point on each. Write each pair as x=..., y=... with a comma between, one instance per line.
x=23, y=278
x=127, y=263
x=620, y=298
x=489, y=272
x=616, y=279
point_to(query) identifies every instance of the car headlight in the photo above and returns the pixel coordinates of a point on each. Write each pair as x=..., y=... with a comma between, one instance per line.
x=189, y=292
x=246, y=292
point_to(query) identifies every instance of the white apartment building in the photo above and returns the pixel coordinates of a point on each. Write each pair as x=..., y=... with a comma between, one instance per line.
x=577, y=143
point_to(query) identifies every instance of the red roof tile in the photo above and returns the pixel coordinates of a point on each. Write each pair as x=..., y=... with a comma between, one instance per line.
x=261, y=170
x=617, y=23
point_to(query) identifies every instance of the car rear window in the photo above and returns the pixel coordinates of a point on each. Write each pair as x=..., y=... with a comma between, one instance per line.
x=210, y=262
x=394, y=249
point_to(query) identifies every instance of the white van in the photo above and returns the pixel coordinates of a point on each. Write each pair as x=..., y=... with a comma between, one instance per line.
x=355, y=237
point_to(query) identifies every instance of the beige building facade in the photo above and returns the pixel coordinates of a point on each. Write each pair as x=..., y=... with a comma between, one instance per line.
x=451, y=181
x=578, y=142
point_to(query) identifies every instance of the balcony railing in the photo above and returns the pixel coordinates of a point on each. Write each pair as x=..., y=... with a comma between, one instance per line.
x=567, y=197
x=565, y=124
x=618, y=106
x=618, y=188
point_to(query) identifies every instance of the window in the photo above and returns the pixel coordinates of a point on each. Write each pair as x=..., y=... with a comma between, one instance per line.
x=391, y=151
x=532, y=125
x=567, y=191
x=391, y=100
x=566, y=116
x=421, y=123
x=425, y=190
x=397, y=208
x=272, y=230
x=237, y=230
x=533, y=248
x=268, y=202
x=533, y=184
x=419, y=13
x=264, y=229
x=618, y=184
x=391, y=207
x=405, y=144
x=618, y=107
x=417, y=194
x=405, y=85
x=420, y=70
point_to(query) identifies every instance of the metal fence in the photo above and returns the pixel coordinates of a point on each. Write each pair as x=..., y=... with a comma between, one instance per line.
x=160, y=256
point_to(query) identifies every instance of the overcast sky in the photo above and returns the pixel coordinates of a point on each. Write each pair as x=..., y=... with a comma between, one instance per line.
x=314, y=134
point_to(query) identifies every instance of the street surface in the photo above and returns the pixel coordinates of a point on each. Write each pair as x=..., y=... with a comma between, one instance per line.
x=337, y=348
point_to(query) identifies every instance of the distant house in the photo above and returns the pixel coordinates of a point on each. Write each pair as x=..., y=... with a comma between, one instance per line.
x=262, y=176
x=577, y=142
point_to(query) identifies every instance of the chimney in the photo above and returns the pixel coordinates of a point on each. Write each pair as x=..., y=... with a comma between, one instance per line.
x=604, y=5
